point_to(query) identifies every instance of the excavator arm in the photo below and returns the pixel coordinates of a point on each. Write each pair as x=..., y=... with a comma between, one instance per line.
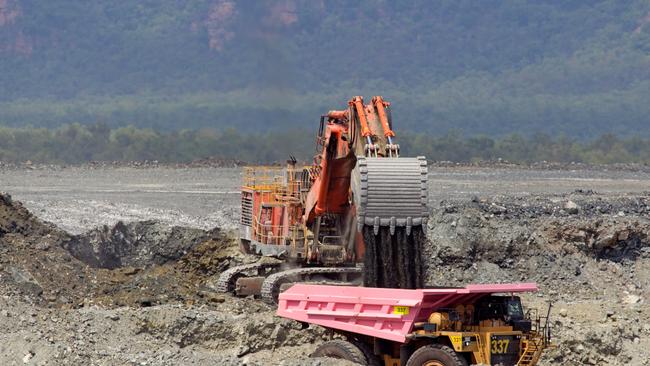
x=330, y=191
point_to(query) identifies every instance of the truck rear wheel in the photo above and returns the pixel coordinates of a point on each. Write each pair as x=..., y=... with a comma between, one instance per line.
x=371, y=358
x=435, y=355
x=342, y=350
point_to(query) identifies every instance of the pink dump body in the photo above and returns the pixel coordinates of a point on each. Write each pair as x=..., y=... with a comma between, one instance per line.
x=379, y=312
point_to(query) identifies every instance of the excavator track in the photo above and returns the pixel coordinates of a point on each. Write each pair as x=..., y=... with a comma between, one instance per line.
x=228, y=278
x=272, y=285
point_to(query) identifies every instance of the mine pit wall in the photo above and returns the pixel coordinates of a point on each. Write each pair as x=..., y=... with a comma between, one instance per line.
x=136, y=244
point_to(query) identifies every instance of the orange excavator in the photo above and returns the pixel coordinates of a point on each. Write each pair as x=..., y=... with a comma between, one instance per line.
x=355, y=215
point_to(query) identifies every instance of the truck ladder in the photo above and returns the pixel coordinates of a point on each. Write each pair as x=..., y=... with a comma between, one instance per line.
x=481, y=350
x=533, y=351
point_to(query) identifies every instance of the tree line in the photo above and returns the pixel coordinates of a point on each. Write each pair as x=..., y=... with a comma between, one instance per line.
x=76, y=143
x=581, y=68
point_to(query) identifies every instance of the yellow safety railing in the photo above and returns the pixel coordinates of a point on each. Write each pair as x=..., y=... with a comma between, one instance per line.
x=282, y=181
x=274, y=234
x=263, y=177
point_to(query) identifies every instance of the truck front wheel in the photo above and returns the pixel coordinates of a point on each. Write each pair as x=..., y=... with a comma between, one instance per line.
x=435, y=355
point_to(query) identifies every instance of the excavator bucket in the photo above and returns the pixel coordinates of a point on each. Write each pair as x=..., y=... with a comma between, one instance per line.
x=392, y=193
x=391, y=200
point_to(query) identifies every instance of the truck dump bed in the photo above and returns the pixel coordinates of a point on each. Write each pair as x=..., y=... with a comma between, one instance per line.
x=379, y=312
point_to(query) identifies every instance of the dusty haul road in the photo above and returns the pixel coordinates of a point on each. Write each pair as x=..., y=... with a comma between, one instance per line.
x=145, y=300
x=78, y=198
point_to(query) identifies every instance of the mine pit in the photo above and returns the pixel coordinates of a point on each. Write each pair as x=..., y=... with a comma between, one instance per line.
x=136, y=291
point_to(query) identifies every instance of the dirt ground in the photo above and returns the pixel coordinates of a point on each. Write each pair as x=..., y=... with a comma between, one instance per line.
x=81, y=198
x=78, y=286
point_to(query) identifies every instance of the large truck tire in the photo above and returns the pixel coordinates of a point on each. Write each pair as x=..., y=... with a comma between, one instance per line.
x=342, y=350
x=371, y=358
x=435, y=355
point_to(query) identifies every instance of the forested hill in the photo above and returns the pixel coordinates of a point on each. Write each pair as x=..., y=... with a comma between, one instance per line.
x=581, y=68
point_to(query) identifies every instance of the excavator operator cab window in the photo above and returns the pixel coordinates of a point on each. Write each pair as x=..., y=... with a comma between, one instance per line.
x=321, y=126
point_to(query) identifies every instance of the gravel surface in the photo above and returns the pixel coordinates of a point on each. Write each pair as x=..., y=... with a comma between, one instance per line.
x=81, y=198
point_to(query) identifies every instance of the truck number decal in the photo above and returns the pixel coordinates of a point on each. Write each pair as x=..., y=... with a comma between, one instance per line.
x=401, y=310
x=457, y=341
x=500, y=346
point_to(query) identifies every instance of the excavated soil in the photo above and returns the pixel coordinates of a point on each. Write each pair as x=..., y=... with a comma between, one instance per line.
x=139, y=291
x=393, y=260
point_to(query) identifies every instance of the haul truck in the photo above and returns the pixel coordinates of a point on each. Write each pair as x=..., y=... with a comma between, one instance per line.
x=478, y=324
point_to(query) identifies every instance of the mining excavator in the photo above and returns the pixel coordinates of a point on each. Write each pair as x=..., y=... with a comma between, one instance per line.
x=356, y=215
